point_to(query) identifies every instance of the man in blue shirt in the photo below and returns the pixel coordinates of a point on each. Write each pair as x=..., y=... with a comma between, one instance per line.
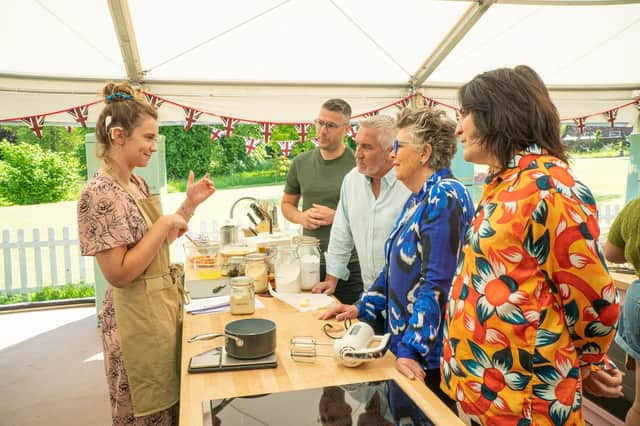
x=371, y=200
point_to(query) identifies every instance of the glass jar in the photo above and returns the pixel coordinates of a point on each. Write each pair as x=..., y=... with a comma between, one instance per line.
x=236, y=266
x=241, y=296
x=257, y=269
x=309, y=254
x=287, y=269
x=269, y=249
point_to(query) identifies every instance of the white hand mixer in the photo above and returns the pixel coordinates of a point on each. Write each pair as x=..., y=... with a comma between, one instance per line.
x=352, y=349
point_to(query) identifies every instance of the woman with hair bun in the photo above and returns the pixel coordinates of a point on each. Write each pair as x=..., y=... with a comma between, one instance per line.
x=121, y=223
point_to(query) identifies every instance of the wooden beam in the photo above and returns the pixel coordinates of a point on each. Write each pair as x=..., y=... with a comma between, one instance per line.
x=121, y=17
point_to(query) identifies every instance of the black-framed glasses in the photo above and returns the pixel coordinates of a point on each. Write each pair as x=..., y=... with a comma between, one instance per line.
x=397, y=144
x=328, y=124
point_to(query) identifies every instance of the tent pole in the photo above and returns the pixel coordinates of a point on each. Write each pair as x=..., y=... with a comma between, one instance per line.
x=121, y=17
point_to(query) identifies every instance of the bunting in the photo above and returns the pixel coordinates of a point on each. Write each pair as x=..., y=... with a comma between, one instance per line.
x=153, y=100
x=286, y=147
x=303, y=130
x=266, y=129
x=191, y=115
x=35, y=123
x=228, y=123
x=580, y=124
x=216, y=134
x=611, y=117
x=353, y=130
x=314, y=141
x=80, y=114
x=431, y=103
x=403, y=103
x=251, y=144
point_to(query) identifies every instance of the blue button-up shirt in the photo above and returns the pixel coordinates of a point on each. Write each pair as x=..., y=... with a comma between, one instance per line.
x=363, y=221
x=411, y=292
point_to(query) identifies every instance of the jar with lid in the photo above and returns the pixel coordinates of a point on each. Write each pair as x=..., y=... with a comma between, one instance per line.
x=242, y=297
x=287, y=269
x=257, y=269
x=309, y=254
x=236, y=266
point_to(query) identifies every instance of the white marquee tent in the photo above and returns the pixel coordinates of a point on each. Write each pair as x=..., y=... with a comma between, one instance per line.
x=277, y=60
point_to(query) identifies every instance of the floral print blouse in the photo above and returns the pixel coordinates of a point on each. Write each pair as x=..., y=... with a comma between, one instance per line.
x=410, y=293
x=532, y=300
x=108, y=216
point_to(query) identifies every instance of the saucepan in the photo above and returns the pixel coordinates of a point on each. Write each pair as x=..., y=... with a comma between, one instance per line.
x=248, y=338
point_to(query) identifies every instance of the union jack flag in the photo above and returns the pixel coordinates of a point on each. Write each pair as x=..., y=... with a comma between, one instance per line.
x=430, y=103
x=215, y=134
x=353, y=130
x=370, y=114
x=314, y=141
x=153, y=100
x=35, y=123
x=580, y=124
x=80, y=114
x=266, y=129
x=303, y=130
x=611, y=117
x=229, y=123
x=251, y=144
x=286, y=147
x=403, y=103
x=191, y=115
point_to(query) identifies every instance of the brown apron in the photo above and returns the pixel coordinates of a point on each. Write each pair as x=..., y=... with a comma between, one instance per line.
x=149, y=317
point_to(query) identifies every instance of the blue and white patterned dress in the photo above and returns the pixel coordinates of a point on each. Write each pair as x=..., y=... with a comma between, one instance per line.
x=421, y=251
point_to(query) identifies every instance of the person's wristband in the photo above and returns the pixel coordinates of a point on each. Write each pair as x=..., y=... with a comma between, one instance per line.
x=186, y=212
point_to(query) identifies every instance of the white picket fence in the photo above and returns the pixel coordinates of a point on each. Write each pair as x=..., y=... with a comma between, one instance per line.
x=29, y=265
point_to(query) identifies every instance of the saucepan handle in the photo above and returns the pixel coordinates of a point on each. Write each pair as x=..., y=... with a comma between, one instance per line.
x=211, y=336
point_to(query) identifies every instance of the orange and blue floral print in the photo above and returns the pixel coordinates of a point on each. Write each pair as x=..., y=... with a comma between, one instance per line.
x=531, y=301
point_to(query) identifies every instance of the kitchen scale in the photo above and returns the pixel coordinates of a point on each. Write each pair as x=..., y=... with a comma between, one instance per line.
x=216, y=359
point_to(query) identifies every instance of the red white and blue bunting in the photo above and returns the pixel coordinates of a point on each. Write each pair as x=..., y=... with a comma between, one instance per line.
x=80, y=115
x=286, y=147
x=251, y=144
x=191, y=115
x=216, y=134
x=35, y=123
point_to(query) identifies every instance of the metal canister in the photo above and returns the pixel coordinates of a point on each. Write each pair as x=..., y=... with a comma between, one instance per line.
x=228, y=235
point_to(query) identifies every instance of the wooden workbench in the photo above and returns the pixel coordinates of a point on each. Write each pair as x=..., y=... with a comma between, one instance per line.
x=289, y=375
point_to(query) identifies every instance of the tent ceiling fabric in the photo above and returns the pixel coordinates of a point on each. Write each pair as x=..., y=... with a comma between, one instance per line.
x=277, y=60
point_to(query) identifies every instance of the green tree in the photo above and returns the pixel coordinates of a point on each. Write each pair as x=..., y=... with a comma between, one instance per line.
x=186, y=151
x=54, y=138
x=31, y=175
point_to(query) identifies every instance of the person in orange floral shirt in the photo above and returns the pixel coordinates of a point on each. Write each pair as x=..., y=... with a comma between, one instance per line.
x=532, y=309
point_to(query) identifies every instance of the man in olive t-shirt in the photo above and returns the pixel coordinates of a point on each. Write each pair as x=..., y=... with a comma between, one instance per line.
x=316, y=176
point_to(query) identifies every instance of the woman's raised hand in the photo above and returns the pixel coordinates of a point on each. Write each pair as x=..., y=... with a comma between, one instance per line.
x=199, y=191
